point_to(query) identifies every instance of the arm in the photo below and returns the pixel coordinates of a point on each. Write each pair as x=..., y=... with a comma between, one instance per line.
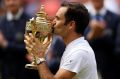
x=11, y=49
x=43, y=69
x=45, y=73
x=8, y=45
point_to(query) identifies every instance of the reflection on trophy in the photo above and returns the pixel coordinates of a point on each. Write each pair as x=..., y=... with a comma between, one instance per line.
x=41, y=28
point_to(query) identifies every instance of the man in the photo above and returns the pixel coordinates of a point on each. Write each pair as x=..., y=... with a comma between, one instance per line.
x=78, y=61
x=115, y=6
x=12, y=27
x=1, y=8
x=102, y=35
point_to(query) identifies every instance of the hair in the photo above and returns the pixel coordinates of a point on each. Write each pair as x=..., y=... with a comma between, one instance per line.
x=78, y=13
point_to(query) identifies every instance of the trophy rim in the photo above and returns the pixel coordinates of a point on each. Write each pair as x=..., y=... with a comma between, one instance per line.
x=31, y=66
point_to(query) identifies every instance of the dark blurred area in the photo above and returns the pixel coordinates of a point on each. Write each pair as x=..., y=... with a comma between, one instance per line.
x=103, y=34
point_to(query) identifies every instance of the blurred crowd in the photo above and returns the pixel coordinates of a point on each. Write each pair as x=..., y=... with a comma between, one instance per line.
x=102, y=33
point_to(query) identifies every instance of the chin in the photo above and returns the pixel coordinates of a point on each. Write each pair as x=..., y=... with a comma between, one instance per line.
x=13, y=9
x=55, y=33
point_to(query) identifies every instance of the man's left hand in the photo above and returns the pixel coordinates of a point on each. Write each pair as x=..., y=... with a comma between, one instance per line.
x=36, y=47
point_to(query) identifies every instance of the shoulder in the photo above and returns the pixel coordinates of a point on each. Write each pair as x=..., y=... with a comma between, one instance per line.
x=25, y=16
x=83, y=46
x=112, y=19
x=111, y=14
x=80, y=49
x=2, y=19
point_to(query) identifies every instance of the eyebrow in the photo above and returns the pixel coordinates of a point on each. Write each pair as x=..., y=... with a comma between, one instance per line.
x=57, y=17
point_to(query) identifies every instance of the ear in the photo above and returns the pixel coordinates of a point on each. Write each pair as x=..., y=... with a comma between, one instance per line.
x=72, y=25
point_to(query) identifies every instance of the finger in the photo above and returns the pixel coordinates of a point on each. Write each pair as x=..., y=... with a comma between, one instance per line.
x=31, y=35
x=49, y=37
x=32, y=51
x=47, y=42
x=29, y=45
x=28, y=48
x=37, y=41
x=26, y=42
x=34, y=39
x=27, y=37
x=45, y=47
x=35, y=51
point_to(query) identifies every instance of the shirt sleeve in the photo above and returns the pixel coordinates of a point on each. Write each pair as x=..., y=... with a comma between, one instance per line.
x=75, y=62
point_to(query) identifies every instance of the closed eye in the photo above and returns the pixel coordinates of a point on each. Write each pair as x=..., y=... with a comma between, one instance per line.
x=58, y=18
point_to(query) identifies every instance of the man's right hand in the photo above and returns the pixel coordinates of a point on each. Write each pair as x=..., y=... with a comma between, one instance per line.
x=3, y=41
x=96, y=29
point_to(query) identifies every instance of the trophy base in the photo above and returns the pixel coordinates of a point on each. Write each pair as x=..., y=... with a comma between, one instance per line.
x=31, y=66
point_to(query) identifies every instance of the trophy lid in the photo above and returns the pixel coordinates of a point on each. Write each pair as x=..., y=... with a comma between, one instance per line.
x=42, y=12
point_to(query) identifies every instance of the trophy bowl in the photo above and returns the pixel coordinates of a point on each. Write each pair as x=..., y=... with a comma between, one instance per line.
x=41, y=28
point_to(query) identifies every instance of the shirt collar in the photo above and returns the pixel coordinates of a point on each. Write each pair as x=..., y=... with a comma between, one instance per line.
x=11, y=17
x=102, y=11
x=75, y=42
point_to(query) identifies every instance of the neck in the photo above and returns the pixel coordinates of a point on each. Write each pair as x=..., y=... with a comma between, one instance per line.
x=98, y=8
x=71, y=37
x=14, y=12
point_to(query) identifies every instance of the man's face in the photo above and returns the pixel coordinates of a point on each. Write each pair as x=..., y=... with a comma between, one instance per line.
x=59, y=22
x=98, y=4
x=13, y=5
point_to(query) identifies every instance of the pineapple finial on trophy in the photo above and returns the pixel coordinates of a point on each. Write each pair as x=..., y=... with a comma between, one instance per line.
x=42, y=12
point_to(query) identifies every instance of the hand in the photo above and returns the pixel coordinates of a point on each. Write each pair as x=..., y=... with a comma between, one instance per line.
x=3, y=41
x=97, y=28
x=97, y=25
x=29, y=57
x=36, y=47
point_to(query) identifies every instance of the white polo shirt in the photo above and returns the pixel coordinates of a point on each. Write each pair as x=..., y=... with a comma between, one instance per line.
x=79, y=57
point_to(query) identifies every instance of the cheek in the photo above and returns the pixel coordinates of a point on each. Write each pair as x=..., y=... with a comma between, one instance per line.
x=57, y=30
x=58, y=26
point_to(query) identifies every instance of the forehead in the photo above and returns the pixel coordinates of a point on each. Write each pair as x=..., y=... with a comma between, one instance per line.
x=61, y=12
x=12, y=0
x=97, y=0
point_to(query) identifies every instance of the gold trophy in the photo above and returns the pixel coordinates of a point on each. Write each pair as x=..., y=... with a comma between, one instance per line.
x=41, y=28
